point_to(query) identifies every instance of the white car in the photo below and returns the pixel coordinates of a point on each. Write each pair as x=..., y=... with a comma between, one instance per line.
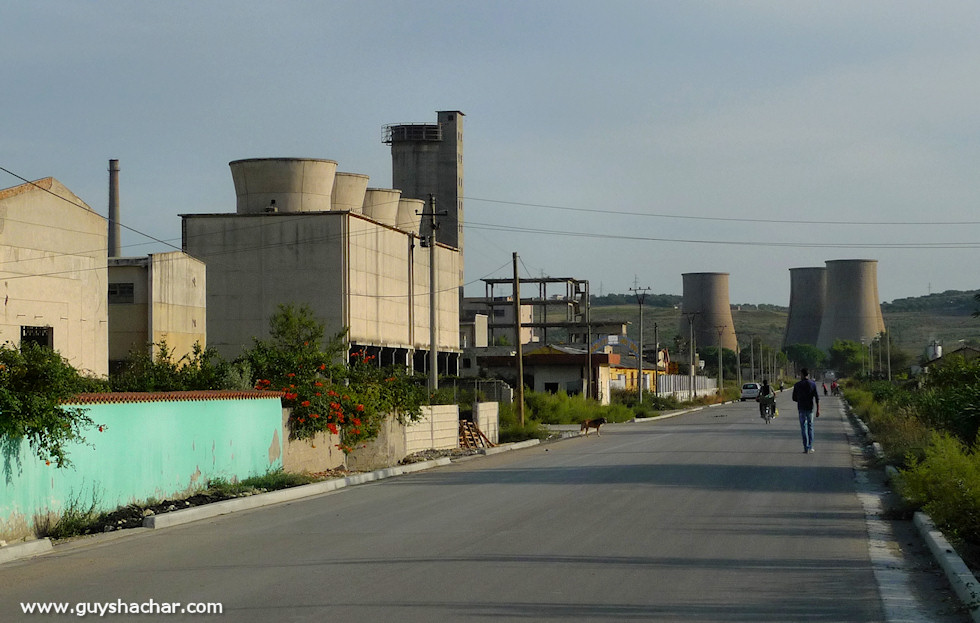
x=750, y=391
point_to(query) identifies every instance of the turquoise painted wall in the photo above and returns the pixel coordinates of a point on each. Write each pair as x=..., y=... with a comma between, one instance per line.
x=148, y=449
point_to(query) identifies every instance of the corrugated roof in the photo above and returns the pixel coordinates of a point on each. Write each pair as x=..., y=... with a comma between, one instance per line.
x=124, y=397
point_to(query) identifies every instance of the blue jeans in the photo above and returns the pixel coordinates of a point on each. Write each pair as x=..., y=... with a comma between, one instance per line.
x=806, y=427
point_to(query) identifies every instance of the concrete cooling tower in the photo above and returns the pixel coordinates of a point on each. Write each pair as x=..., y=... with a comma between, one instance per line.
x=381, y=204
x=852, y=310
x=348, y=191
x=410, y=215
x=807, y=296
x=706, y=296
x=295, y=184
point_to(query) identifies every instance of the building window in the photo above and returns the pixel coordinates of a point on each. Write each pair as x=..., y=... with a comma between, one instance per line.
x=121, y=294
x=42, y=336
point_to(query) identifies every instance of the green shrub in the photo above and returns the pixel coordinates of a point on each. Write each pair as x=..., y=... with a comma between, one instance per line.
x=946, y=484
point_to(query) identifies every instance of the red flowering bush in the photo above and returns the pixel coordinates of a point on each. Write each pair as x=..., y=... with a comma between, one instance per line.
x=349, y=399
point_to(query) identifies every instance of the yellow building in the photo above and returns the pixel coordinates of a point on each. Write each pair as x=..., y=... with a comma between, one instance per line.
x=53, y=274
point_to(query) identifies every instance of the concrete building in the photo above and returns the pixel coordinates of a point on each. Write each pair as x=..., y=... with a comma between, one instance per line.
x=807, y=297
x=705, y=302
x=355, y=269
x=53, y=276
x=852, y=311
x=555, y=368
x=427, y=159
x=161, y=297
x=499, y=313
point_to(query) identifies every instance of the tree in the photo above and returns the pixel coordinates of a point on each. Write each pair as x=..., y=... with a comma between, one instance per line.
x=324, y=392
x=846, y=357
x=806, y=356
x=35, y=384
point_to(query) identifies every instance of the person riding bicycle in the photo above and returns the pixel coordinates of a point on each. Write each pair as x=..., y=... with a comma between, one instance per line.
x=766, y=399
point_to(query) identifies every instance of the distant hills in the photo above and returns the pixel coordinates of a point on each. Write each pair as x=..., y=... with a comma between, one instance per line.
x=914, y=322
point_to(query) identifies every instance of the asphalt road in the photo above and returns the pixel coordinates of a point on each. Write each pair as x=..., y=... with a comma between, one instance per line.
x=710, y=516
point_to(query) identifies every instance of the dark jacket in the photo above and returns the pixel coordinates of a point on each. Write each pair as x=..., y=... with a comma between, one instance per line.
x=805, y=394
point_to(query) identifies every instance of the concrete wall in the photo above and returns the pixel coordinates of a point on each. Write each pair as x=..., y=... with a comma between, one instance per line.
x=310, y=456
x=178, y=301
x=169, y=303
x=148, y=449
x=53, y=271
x=487, y=418
x=438, y=429
x=129, y=322
x=256, y=262
x=350, y=270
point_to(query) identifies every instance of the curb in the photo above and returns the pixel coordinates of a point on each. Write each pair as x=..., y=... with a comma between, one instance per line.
x=959, y=576
x=207, y=511
x=9, y=553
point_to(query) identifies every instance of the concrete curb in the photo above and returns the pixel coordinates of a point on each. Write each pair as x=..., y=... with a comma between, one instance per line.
x=9, y=553
x=667, y=416
x=207, y=511
x=959, y=576
x=511, y=446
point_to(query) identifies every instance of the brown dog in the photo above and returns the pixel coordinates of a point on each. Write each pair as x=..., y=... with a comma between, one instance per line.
x=596, y=423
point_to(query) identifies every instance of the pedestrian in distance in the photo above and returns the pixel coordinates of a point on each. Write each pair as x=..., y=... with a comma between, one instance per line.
x=807, y=398
x=824, y=389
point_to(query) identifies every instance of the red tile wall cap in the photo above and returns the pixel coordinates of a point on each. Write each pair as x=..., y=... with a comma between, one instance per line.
x=207, y=394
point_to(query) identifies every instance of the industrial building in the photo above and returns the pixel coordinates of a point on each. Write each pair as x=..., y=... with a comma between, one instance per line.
x=155, y=299
x=302, y=233
x=705, y=305
x=807, y=297
x=53, y=276
x=852, y=310
x=152, y=299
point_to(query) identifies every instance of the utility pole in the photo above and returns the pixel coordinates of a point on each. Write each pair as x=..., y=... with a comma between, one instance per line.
x=433, y=316
x=690, y=320
x=517, y=339
x=641, y=295
x=751, y=357
x=721, y=373
x=656, y=364
x=888, y=346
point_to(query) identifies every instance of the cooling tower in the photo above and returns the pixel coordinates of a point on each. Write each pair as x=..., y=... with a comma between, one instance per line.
x=348, y=191
x=295, y=184
x=706, y=298
x=381, y=204
x=410, y=215
x=852, y=311
x=807, y=296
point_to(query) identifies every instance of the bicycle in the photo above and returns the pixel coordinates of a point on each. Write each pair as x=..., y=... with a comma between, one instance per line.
x=767, y=412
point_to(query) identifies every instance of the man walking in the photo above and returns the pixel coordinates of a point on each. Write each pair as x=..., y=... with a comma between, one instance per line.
x=805, y=396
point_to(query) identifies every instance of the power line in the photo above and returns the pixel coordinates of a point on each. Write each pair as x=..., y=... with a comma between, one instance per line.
x=719, y=218
x=793, y=245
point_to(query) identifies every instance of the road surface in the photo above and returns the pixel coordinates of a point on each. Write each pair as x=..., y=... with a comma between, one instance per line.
x=709, y=516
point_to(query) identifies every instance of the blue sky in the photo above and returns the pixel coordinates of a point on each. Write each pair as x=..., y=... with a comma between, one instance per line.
x=621, y=142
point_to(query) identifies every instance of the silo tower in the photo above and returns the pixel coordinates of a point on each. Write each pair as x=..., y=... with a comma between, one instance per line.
x=706, y=300
x=807, y=297
x=427, y=158
x=265, y=185
x=852, y=310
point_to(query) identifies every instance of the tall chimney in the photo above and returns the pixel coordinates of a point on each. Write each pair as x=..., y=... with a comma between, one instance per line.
x=114, y=246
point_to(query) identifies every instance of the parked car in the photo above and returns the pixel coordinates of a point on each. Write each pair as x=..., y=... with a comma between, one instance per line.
x=750, y=391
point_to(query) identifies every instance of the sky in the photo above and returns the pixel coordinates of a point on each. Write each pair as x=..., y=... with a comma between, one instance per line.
x=623, y=142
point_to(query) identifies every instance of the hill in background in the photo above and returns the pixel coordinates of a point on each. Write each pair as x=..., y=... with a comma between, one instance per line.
x=913, y=322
